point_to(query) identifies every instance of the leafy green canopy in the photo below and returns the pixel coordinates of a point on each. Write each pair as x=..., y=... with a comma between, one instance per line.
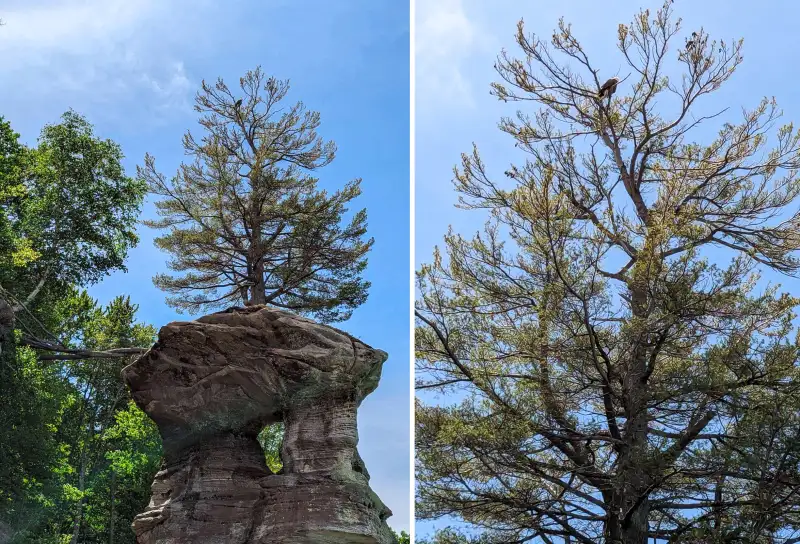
x=625, y=376
x=67, y=209
x=77, y=457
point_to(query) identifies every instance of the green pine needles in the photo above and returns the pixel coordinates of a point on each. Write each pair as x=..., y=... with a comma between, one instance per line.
x=245, y=222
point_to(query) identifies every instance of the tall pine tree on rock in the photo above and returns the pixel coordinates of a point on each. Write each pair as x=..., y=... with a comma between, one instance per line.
x=245, y=222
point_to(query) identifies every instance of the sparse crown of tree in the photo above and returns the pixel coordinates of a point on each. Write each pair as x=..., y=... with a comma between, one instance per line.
x=625, y=373
x=245, y=222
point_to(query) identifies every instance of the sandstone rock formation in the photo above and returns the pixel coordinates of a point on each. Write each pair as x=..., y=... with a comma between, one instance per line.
x=211, y=385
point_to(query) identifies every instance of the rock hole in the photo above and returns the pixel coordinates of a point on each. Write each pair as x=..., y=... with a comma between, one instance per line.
x=271, y=440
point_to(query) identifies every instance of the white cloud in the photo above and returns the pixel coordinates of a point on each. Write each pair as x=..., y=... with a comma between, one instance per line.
x=70, y=26
x=445, y=39
x=89, y=54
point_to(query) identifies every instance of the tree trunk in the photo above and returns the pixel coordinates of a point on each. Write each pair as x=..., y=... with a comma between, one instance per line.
x=637, y=528
x=111, y=527
x=631, y=508
x=259, y=290
x=76, y=525
x=7, y=343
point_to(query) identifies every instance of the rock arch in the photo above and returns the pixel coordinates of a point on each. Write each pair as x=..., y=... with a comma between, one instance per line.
x=211, y=385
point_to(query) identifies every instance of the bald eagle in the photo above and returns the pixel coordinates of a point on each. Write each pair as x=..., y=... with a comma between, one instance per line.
x=608, y=88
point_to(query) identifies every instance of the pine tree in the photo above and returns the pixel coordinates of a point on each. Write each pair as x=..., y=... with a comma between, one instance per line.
x=624, y=372
x=245, y=221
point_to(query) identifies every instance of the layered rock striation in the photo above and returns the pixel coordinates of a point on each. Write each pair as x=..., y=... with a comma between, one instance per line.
x=212, y=385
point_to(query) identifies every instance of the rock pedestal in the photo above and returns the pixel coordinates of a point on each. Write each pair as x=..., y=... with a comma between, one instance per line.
x=212, y=385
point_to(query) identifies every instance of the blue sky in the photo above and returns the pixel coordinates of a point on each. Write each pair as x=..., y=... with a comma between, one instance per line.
x=457, y=42
x=133, y=66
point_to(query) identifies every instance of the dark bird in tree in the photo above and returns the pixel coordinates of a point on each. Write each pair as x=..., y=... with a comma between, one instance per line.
x=238, y=103
x=608, y=88
x=691, y=42
x=245, y=222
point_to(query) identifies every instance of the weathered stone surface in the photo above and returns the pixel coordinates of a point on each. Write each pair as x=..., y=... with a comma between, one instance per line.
x=211, y=385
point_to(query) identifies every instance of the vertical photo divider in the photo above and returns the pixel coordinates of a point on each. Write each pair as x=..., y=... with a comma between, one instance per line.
x=411, y=249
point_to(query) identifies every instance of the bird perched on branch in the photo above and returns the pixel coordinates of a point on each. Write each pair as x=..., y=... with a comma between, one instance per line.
x=608, y=88
x=690, y=43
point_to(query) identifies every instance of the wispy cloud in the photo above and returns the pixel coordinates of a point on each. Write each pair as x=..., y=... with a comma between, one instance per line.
x=71, y=26
x=445, y=40
x=89, y=53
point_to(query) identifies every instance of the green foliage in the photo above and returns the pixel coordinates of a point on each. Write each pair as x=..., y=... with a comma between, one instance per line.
x=454, y=536
x=624, y=372
x=33, y=400
x=271, y=441
x=14, y=250
x=246, y=223
x=80, y=207
x=80, y=449
x=75, y=453
x=67, y=215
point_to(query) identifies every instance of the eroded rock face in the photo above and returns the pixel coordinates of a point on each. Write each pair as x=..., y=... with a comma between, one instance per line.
x=211, y=385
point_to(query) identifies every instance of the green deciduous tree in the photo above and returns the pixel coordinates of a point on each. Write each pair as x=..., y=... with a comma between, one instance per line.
x=81, y=208
x=402, y=538
x=99, y=414
x=245, y=221
x=33, y=400
x=81, y=468
x=14, y=250
x=625, y=374
x=68, y=209
x=67, y=216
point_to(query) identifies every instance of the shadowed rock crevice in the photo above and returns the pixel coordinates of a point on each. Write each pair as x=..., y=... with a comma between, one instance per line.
x=212, y=385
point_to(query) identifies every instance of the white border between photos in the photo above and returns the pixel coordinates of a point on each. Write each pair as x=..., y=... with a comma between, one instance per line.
x=411, y=172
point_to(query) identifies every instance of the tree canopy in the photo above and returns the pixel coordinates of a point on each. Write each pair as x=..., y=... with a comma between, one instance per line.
x=68, y=209
x=76, y=456
x=624, y=371
x=245, y=222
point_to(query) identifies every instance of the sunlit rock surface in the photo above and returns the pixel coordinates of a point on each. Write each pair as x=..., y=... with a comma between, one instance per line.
x=211, y=385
